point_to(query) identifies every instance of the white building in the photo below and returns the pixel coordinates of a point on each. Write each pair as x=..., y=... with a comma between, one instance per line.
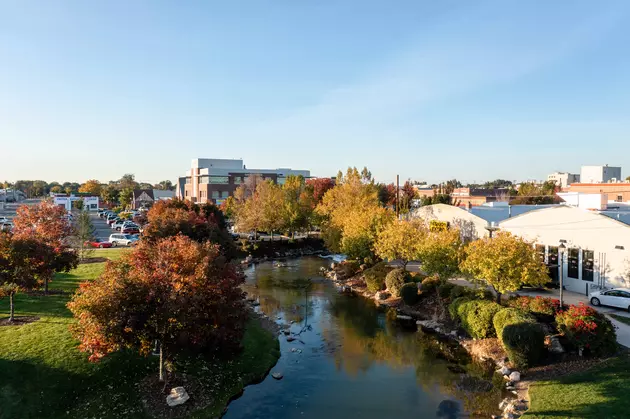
x=90, y=203
x=600, y=174
x=597, y=246
x=563, y=179
x=471, y=226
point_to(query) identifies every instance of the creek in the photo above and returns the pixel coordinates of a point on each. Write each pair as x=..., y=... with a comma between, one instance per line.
x=352, y=359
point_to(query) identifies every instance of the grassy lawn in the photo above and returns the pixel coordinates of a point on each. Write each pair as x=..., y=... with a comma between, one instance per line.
x=622, y=319
x=43, y=375
x=601, y=392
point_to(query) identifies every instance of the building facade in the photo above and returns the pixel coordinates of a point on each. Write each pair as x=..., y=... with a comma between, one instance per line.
x=600, y=174
x=470, y=226
x=597, y=253
x=563, y=179
x=617, y=192
x=213, y=180
x=471, y=197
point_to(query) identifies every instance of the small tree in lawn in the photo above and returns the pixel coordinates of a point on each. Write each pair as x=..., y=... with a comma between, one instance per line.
x=85, y=232
x=23, y=261
x=47, y=223
x=505, y=262
x=400, y=240
x=175, y=291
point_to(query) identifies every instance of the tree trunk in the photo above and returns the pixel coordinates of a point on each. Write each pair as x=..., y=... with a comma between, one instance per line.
x=498, y=295
x=161, y=363
x=11, y=307
x=46, y=285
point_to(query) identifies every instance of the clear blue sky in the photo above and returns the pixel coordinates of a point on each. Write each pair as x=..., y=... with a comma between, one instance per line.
x=429, y=89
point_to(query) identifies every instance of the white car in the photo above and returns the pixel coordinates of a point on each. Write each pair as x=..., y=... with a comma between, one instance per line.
x=122, y=240
x=616, y=297
x=117, y=225
x=4, y=220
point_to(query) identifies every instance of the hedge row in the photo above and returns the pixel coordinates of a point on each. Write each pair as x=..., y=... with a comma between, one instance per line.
x=375, y=276
x=521, y=336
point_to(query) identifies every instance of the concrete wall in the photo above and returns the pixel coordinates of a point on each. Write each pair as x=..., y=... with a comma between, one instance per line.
x=471, y=226
x=607, y=238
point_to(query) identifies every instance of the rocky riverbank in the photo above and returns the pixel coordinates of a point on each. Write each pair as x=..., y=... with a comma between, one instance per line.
x=432, y=318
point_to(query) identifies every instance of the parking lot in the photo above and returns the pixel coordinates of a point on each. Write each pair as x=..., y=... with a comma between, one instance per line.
x=102, y=229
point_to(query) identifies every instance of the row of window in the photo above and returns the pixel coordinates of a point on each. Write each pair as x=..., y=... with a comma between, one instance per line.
x=225, y=180
x=550, y=257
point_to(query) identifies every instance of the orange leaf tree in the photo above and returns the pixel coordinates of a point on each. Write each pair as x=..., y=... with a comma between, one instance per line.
x=199, y=222
x=47, y=223
x=175, y=291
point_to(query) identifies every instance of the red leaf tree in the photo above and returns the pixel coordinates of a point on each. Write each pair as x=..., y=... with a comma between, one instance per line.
x=47, y=223
x=23, y=262
x=319, y=187
x=199, y=222
x=175, y=291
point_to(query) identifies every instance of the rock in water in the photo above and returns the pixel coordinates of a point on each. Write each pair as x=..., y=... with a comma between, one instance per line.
x=177, y=396
x=277, y=375
x=504, y=370
x=515, y=376
x=290, y=339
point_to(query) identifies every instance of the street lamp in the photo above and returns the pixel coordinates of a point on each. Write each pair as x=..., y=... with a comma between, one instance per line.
x=561, y=250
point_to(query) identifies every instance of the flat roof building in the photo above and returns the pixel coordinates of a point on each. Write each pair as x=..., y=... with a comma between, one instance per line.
x=213, y=180
x=600, y=174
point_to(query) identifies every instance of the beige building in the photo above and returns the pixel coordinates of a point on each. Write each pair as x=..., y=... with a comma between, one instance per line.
x=563, y=179
x=597, y=246
x=471, y=226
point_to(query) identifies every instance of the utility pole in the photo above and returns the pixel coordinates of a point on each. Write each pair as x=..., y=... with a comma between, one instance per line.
x=397, y=196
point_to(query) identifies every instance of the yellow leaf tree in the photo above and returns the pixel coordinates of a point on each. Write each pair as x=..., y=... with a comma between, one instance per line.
x=441, y=252
x=92, y=186
x=505, y=263
x=353, y=214
x=400, y=240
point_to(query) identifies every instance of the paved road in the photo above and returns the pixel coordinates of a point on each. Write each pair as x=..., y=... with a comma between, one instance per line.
x=102, y=229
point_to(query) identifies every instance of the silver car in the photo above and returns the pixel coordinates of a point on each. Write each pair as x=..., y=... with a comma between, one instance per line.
x=122, y=240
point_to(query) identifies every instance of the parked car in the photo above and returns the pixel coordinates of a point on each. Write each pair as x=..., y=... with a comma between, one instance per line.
x=616, y=297
x=117, y=225
x=111, y=217
x=122, y=240
x=8, y=226
x=130, y=230
x=99, y=244
x=4, y=220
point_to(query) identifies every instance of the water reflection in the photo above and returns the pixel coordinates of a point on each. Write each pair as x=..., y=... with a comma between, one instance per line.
x=352, y=360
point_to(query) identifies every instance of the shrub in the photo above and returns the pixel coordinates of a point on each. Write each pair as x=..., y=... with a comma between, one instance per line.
x=395, y=280
x=417, y=277
x=476, y=317
x=588, y=330
x=509, y=316
x=348, y=268
x=460, y=291
x=524, y=343
x=430, y=284
x=445, y=289
x=375, y=276
x=409, y=293
x=454, y=306
x=537, y=305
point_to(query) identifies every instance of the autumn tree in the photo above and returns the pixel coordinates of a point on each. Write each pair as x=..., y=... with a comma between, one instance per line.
x=505, y=262
x=400, y=240
x=56, y=189
x=229, y=207
x=533, y=194
x=441, y=252
x=92, y=187
x=298, y=204
x=353, y=214
x=175, y=291
x=201, y=223
x=109, y=194
x=127, y=181
x=264, y=210
x=47, y=223
x=18, y=268
x=165, y=185
x=319, y=187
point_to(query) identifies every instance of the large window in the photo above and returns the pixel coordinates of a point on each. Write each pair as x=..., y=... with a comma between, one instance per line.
x=552, y=263
x=187, y=180
x=222, y=180
x=540, y=251
x=574, y=263
x=215, y=194
x=238, y=180
x=588, y=265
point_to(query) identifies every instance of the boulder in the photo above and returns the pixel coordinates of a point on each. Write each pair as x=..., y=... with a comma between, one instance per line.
x=382, y=295
x=277, y=375
x=403, y=317
x=504, y=370
x=333, y=265
x=554, y=345
x=290, y=339
x=363, y=267
x=177, y=396
x=515, y=376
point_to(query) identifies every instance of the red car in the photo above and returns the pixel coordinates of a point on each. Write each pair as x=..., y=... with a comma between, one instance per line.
x=99, y=244
x=130, y=230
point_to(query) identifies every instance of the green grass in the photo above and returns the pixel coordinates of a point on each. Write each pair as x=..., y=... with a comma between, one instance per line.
x=43, y=375
x=601, y=392
x=622, y=319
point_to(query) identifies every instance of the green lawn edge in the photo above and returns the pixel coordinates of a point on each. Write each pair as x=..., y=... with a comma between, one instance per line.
x=600, y=392
x=43, y=375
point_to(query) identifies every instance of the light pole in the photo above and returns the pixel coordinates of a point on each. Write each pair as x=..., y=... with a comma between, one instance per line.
x=561, y=249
